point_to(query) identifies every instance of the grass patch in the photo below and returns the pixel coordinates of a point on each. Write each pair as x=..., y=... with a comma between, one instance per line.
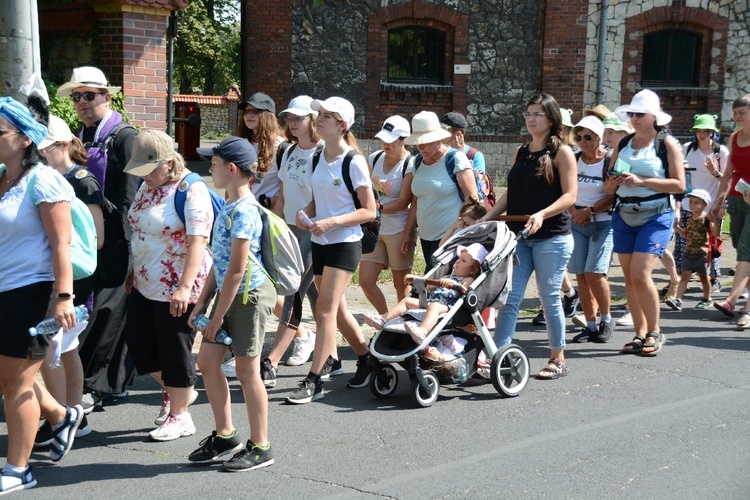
x=387, y=277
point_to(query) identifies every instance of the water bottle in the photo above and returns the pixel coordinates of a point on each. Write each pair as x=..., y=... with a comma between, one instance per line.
x=201, y=321
x=48, y=326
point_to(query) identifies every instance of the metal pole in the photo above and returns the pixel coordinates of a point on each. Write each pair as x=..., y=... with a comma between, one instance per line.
x=601, y=52
x=19, y=45
x=171, y=35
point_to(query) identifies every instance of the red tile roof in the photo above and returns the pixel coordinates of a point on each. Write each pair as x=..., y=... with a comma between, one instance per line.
x=213, y=100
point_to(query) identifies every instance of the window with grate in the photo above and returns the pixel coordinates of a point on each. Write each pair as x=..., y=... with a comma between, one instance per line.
x=671, y=58
x=416, y=55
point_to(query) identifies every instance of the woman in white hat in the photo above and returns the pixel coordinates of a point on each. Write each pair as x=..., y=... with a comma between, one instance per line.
x=436, y=201
x=646, y=171
x=392, y=171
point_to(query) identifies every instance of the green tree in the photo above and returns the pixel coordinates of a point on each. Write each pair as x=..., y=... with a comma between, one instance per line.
x=207, y=49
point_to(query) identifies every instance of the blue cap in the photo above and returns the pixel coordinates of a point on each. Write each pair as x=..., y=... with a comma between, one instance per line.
x=236, y=150
x=19, y=115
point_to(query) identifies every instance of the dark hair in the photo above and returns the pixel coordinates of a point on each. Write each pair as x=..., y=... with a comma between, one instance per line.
x=38, y=108
x=31, y=157
x=551, y=109
x=741, y=102
x=473, y=208
x=78, y=152
x=268, y=132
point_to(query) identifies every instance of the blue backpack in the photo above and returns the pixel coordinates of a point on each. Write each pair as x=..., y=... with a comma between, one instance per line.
x=484, y=187
x=217, y=202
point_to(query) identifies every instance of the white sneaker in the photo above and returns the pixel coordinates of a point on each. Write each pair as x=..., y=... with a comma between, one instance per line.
x=580, y=320
x=166, y=406
x=229, y=368
x=744, y=293
x=302, y=347
x=174, y=428
x=625, y=320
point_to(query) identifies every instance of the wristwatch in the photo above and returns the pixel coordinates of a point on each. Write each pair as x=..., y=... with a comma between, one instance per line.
x=66, y=296
x=717, y=174
x=591, y=209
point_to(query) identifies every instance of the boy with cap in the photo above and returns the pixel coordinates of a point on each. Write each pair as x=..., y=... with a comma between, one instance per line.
x=695, y=256
x=456, y=124
x=243, y=312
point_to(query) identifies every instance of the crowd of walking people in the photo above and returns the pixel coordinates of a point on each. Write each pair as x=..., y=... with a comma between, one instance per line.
x=174, y=258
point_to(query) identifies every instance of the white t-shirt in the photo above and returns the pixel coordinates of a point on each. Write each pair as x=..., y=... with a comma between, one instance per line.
x=438, y=202
x=591, y=186
x=332, y=198
x=701, y=178
x=266, y=183
x=296, y=175
x=391, y=223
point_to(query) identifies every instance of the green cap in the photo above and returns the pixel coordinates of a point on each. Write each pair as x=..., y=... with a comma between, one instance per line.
x=705, y=122
x=616, y=124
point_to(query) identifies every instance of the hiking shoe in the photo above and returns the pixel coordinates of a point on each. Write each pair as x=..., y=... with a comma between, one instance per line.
x=16, y=481
x=570, y=303
x=539, y=319
x=332, y=368
x=625, y=320
x=252, y=457
x=703, y=304
x=166, y=406
x=84, y=429
x=229, y=368
x=674, y=303
x=302, y=347
x=89, y=401
x=64, y=435
x=715, y=286
x=44, y=435
x=215, y=447
x=173, y=428
x=268, y=373
x=361, y=377
x=586, y=335
x=604, y=333
x=308, y=391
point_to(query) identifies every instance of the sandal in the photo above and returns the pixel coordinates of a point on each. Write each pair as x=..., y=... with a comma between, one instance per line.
x=657, y=344
x=63, y=436
x=417, y=334
x=725, y=307
x=634, y=347
x=556, y=370
x=375, y=320
x=744, y=321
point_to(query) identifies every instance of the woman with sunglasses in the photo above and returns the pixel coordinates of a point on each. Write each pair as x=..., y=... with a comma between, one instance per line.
x=592, y=231
x=541, y=184
x=644, y=217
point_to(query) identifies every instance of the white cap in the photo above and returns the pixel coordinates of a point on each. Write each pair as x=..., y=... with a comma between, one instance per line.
x=57, y=131
x=336, y=105
x=300, y=106
x=593, y=123
x=701, y=194
x=395, y=127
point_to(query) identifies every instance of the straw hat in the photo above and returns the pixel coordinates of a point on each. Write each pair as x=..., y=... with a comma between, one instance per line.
x=600, y=110
x=426, y=128
x=86, y=76
x=645, y=101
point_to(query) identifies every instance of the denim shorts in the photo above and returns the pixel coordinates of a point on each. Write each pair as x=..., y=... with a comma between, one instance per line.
x=652, y=237
x=590, y=254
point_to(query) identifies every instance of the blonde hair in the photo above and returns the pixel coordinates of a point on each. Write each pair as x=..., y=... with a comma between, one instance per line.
x=348, y=136
x=178, y=166
x=314, y=137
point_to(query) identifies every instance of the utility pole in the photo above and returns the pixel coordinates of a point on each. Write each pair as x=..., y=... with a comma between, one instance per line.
x=19, y=45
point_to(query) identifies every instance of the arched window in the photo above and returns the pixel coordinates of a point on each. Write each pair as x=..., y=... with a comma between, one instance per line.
x=416, y=55
x=671, y=58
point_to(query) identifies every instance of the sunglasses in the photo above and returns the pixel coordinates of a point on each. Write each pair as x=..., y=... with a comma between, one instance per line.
x=637, y=115
x=588, y=137
x=87, y=96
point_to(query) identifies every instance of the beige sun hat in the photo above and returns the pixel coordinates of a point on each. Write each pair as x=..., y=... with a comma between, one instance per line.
x=600, y=110
x=426, y=128
x=645, y=101
x=57, y=131
x=86, y=76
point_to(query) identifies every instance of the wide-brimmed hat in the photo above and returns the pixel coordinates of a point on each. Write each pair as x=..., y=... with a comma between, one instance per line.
x=592, y=123
x=701, y=194
x=567, y=117
x=149, y=148
x=337, y=105
x=259, y=101
x=616, y=124
x=57, y=131
x=476, y=250
x=645, y=101
x=236, y=150
x=395, y=127
x=86, y=76
x=600, y=110
x=20, y=117
x=300, y=106
x=705, y=122
x=425, y=128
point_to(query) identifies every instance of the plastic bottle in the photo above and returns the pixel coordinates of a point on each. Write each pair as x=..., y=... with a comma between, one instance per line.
x=48, y=326
x=201, y=321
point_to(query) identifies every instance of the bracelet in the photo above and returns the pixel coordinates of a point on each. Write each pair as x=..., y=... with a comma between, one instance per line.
x=66, y=296
x=717, y=174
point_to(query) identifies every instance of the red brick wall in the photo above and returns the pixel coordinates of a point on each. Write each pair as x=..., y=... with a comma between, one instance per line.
x=564, y=52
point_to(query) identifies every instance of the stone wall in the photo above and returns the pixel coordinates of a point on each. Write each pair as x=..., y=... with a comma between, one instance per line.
x=215, y=120
x=63, y=52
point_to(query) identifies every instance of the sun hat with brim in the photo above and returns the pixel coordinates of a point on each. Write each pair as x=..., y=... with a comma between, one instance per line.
x=300, y=106
x=259, y=101
x=592, y=123
x=426, y=128
x=705, y=122
x=20, y=117
x=616, y=124
x=150, y=147
x=337, y=105
x=701, y=194
x=600, y=110
x=236, y=150
x=395, y=127
x=86, y=76
x=57, y=131
x=567, y=115
x=476, y=250
x=645, y=101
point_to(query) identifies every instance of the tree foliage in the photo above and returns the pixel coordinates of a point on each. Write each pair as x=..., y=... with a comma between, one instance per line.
x=63, y=106
x=207, y=48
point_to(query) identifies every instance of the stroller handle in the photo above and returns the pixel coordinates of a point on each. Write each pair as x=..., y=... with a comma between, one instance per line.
x=458, y=287
x=512, y=218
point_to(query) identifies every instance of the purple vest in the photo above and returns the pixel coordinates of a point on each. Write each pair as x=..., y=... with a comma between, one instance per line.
x=97, y=163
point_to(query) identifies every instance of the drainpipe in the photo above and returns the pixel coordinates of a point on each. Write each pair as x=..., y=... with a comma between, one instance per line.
x=171, y=35
x=602, y=46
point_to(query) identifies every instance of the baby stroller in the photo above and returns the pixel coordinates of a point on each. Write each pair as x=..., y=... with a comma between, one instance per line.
x=509, y=369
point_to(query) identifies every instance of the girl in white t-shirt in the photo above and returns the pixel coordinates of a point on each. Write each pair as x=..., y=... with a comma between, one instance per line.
x=334, y=222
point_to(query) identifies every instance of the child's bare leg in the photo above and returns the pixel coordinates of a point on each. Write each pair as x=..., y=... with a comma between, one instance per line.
x=434, y=309
x=404, y=305
x=706, y=284
x=684, y=279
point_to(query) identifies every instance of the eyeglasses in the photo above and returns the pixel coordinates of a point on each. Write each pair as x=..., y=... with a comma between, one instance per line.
x=87, y=96
x=296, y=119
x=535, y=116
x=637, y=115
x=51, y=147
x=5, y=132
x=588, y=137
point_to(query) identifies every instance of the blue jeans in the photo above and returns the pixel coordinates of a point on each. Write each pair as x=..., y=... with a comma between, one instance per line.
x=548, y=258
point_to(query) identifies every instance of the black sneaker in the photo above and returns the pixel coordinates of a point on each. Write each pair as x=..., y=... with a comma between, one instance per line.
x=604, y=334
x=44, y=435
x=332, y=368
x=539, y=319
x=252, y=457
x=569, y=304
x=214, y=448
x=307, y=391
x=362, y=376
x=586, y=335
x=268, y=373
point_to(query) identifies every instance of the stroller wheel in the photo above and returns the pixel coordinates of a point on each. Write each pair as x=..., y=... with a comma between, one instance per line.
x=424, y=397
x=509, y=371
x=383, y=381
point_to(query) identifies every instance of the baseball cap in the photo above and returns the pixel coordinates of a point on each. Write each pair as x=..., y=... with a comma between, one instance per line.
x=455, y=120
x=259, y=101
x=57, y=131
x=395, y=127
x=701, y=194
x=236, y=150
x=149, y=148
x=476, y=250
x=300, y=106
x=337, y=105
